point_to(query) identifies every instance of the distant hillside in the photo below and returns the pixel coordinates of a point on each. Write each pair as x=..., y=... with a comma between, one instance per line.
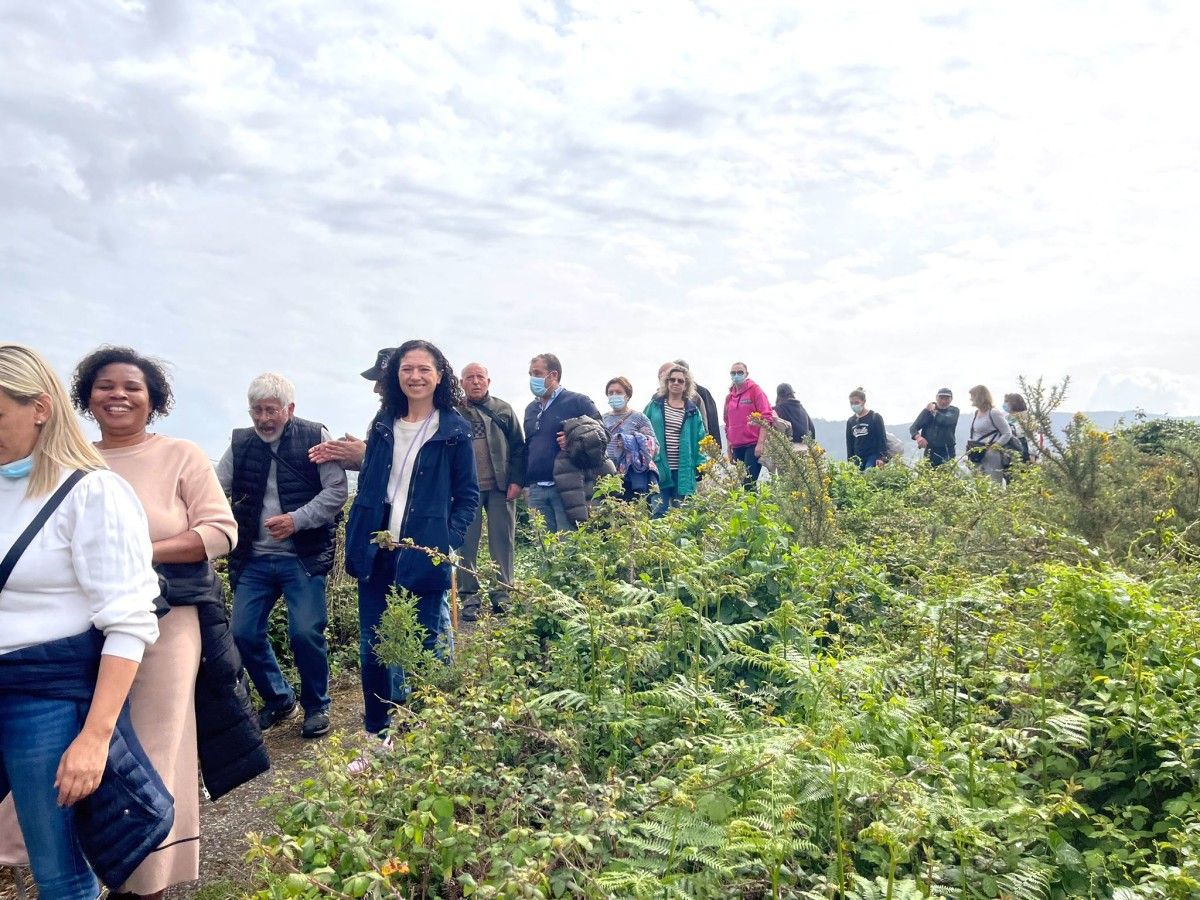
x=832, y=435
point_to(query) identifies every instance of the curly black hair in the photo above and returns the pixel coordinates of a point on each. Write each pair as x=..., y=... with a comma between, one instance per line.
x=158, y=386
x=447, y=395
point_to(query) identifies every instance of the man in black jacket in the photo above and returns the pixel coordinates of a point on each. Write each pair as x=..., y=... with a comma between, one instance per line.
x=934, y=428
x=287, y=508
x=707, y=404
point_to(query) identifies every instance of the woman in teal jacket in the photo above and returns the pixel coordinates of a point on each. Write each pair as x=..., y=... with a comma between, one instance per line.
x=678, y=429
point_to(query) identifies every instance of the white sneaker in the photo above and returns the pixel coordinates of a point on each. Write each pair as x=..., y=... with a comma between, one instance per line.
x=373, y=747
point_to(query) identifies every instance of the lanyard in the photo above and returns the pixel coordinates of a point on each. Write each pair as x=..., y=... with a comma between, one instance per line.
x=415, y=444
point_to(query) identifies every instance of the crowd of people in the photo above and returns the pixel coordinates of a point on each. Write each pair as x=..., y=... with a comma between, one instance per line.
x=121, y=672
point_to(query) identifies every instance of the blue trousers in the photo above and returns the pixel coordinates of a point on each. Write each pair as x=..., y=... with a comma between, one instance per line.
x=546, y=500
x=34, y=733
x=261, y=582
x=384, y=686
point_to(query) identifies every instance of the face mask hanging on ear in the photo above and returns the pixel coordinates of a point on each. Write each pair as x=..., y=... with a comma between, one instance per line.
x=18, y=468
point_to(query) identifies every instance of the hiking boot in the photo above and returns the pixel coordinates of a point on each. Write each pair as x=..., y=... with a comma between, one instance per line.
x=470, y=608
x=269, y=718
x=315, y=725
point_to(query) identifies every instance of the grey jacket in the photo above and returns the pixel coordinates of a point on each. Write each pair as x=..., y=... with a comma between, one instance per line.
x=505, y=440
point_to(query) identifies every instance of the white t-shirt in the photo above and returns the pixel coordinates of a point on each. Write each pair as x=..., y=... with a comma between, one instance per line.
x=407, y=440
x=88, y=566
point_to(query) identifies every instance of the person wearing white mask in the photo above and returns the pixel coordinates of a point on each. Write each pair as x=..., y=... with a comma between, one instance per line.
x=631, y=444
x=544, y=437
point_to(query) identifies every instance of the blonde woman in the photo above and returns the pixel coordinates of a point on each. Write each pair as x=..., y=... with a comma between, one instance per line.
x=678, y=430
x=989, y=433
x=76, y=616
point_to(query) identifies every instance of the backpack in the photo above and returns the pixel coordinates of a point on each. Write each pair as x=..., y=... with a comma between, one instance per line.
x=895, y=449
x=1017, y=445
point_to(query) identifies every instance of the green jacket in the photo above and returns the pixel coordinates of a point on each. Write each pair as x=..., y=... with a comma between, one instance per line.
x=689, y=445
x=506, y=443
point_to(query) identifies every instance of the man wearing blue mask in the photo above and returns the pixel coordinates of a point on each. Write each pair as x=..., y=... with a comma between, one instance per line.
x=544, y=437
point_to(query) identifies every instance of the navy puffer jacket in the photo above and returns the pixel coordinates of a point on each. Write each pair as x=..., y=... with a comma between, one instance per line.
x=131, y=812
x=443, y=498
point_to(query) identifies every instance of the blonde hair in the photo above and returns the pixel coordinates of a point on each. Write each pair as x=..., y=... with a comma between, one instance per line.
x=982, y=398
x=689, y=389
x=61, y=444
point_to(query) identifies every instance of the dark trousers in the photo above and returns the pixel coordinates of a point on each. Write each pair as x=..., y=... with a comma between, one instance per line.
x=745, y=455
x=939, y=455
x=383, y=686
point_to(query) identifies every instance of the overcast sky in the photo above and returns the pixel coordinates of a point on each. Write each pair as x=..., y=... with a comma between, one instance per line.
x=892, y=195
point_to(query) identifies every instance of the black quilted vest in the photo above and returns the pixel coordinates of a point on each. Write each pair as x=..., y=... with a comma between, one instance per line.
x=298, y=481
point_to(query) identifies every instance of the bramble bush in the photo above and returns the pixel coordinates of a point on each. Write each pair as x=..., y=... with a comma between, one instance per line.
x=892, y=684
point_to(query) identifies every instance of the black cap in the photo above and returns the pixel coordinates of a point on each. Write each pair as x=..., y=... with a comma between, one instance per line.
x=945, y=392
x=381, y=360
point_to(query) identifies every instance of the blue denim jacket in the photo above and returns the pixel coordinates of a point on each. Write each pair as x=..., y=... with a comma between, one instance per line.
x=131, y=812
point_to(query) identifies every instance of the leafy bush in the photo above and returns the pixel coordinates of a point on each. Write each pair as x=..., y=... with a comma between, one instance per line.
x=898, y=683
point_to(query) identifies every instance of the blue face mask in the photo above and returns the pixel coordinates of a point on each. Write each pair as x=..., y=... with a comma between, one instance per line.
x=616, y=401
x=1007, y=408
x=537, y=386
x=739, y=379
x=18, y=468
x=856, y=407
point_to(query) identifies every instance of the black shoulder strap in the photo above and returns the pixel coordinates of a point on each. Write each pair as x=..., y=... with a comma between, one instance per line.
x=19, y=546
x=508, y=432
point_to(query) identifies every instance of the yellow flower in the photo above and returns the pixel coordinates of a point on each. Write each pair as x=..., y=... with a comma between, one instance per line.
x=394, y=867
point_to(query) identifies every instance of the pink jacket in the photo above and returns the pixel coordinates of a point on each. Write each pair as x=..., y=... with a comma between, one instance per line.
x=739, y=404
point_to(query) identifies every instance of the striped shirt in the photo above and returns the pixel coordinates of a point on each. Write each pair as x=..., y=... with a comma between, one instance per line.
x=672, y=425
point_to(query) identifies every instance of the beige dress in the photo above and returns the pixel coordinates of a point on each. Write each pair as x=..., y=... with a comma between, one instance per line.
x=178, y=488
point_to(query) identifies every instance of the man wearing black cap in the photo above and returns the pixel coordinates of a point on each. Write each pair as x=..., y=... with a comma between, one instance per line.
x=934, y=428
x=348, y=451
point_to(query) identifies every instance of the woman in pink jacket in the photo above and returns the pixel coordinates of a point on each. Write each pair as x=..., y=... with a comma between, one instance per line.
x=743, y=436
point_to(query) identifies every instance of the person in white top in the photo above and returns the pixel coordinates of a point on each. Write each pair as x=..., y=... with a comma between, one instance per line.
x=88, y=567
x=418, y=483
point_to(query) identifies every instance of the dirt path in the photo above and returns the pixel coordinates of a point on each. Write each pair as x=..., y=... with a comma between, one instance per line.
x=223, y=825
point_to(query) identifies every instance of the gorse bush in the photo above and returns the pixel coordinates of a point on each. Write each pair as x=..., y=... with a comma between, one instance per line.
x=891, y=684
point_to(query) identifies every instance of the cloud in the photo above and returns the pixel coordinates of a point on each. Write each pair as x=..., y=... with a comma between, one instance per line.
x=892, y=196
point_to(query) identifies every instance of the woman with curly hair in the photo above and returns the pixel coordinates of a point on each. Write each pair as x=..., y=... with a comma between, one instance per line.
x=418, y=482
x=190, y=525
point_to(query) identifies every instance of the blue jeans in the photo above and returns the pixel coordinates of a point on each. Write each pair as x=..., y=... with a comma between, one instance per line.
x=666, y=497
x=261, y=582
x=545, y=499
x=34, y=733
x=384, y=686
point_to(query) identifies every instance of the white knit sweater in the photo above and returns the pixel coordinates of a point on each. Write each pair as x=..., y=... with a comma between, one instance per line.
x=88, y=566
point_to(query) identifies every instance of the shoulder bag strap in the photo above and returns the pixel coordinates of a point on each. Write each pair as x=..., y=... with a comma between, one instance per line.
x=26, y=538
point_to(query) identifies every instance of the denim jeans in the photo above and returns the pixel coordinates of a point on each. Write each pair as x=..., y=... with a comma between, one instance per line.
x=34, y=733
x=264, y=578
x=666, y=497
x=384, y=686
x=546, y=500
x=745, y=455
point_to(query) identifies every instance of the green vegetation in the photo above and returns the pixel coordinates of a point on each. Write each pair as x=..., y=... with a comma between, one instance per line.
x=891, y=684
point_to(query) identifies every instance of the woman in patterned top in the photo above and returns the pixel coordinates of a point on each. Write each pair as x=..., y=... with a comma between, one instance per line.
x=678, y=429
x=630, y=438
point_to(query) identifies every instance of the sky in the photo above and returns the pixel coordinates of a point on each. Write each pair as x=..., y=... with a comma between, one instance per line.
x=894, y=195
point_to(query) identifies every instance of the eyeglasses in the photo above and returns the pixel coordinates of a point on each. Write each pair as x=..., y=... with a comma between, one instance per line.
x=736, y=372
x=269, y=412
x=676, y=381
